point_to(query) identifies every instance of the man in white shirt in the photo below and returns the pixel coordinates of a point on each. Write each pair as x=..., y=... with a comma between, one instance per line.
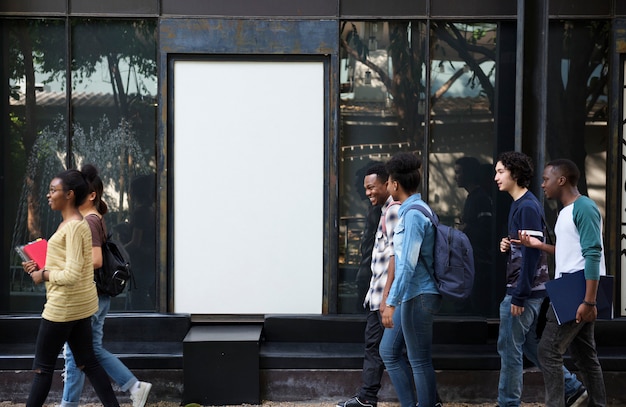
x=578, y=247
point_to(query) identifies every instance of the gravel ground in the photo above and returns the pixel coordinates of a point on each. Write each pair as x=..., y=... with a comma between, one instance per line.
x=318, y=403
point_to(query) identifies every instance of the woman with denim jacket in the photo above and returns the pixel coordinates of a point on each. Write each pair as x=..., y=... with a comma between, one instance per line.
x=413, y=291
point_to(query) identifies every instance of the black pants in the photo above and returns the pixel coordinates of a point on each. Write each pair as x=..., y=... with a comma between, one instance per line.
x=373, y=366
x=50, y=340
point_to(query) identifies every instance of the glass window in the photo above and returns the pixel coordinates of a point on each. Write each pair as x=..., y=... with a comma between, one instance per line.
x=382, y=109
x=578, y=109
x=578, y=66
x=113, y=101
x=384, y=86
x=114, y=114
x=36, y=138
x=460, y=183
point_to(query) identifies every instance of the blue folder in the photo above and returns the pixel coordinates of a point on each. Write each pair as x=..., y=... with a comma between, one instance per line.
x=568, y=292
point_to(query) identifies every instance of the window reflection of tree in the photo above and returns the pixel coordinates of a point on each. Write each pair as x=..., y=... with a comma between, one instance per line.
x=37, y=52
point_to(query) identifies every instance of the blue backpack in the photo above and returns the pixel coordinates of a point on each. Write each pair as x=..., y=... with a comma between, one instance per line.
x=454, y=259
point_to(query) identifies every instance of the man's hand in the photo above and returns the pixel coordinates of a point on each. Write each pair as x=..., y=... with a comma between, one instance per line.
x=505, y=244
x=586, y=313
x=388, y=316
x=516, y=310
x=527, y=240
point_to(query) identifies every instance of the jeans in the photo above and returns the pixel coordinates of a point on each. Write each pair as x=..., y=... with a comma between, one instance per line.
x=416, y=332
x=373, y=366
x=582, y=346
x=75, y=378
x=518, y=338
x=50, y=340
x=392, y=351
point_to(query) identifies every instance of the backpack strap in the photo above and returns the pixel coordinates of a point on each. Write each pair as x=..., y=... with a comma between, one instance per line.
x=434, y=219
x=103, y=234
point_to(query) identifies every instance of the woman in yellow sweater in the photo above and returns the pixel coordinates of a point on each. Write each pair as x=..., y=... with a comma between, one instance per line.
x=71, y=297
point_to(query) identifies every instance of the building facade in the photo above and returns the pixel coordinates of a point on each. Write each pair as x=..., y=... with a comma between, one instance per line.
x=232, y=136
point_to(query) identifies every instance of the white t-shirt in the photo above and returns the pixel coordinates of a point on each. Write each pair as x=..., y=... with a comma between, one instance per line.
x=581, y=215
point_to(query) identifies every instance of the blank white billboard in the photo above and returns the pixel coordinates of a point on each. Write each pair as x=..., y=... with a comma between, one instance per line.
x=248, y=177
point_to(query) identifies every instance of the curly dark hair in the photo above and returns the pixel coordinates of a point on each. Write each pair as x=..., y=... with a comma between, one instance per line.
x=520, y=165
x=404, y=168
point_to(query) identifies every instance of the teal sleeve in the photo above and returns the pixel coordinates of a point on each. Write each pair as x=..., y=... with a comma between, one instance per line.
x=588, y=222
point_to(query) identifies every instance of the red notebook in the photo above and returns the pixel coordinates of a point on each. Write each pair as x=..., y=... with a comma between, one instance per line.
x=36, y=251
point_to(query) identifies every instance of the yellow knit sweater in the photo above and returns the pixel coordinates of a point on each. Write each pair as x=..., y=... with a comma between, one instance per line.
x=70, y=292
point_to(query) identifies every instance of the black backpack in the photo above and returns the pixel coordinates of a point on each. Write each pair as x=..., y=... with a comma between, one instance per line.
x=454, y=259
x=115, y=274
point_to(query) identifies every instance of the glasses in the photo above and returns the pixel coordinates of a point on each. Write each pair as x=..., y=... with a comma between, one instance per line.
x=53, y=190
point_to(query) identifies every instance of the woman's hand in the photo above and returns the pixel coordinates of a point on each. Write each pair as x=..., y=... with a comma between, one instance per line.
x=30, y=267
x=388, y=316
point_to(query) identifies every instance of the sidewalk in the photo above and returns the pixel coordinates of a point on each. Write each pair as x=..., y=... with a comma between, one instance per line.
x=316, y=403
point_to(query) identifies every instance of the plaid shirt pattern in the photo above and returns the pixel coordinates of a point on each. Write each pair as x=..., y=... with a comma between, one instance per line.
x=382, y=252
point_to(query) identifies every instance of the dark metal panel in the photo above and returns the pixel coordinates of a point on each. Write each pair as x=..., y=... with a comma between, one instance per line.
x=331, y=188
x=582, y=8
x=620, y=8
x=473, y=8
x=250, y=8
x=165, y=193
x=214, y=36
x=534, y=71
x=619, y=32
x=33, y=7
x=615, y=159
x=112, y=7
x=5, y=170
x=376, y=8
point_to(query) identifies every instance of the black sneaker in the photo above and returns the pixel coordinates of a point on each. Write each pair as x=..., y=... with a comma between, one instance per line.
x=577, y=399
x=356, y=402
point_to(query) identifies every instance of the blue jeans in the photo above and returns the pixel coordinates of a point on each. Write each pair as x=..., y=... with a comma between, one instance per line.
x=392, y=351
x=518, y=338
x=75, y=378
x=50, y=340
x=582, y=346
x=416, y=332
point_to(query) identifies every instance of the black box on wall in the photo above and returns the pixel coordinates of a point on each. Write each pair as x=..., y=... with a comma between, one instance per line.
x=221, y=365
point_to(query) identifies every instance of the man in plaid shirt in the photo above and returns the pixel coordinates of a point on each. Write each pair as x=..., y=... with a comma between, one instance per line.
x=375, y=184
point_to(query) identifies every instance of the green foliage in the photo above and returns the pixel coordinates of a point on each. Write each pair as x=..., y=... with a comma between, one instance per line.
x=17, y=151
x=94, y=41
x=110, y=41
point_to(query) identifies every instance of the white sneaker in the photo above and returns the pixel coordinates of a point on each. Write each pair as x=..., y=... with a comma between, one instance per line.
x=140, y=396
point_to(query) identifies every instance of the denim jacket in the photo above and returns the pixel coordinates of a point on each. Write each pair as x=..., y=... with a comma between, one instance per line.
x=414, y=242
